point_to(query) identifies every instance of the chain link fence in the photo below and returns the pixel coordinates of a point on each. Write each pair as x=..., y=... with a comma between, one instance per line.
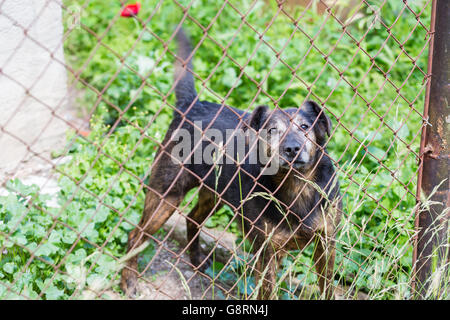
x=96, y=204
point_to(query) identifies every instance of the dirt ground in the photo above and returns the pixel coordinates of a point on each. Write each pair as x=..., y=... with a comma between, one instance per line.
x=170, y=276
x=165, y=282
x=170, y=285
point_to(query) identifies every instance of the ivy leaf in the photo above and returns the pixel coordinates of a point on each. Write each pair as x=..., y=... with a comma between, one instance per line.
x=9, y=267
x=53, y=293
x=46, y=249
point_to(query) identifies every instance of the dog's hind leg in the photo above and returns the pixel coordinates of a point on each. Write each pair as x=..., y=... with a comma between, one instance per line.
x=168, y=185
x=156, y=213
x=206, y=203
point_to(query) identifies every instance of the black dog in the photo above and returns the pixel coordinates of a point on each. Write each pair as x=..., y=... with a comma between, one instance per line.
x=283, y=210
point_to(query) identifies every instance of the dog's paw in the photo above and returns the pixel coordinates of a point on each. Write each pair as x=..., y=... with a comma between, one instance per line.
x=201, y=262
x=128, y=284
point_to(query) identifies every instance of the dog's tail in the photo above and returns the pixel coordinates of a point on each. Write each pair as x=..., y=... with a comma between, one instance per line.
x=185, y=88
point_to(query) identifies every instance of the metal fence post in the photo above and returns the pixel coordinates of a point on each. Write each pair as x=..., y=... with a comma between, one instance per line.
x=431, y=250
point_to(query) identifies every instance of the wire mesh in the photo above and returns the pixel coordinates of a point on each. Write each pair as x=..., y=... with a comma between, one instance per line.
x=363, y=62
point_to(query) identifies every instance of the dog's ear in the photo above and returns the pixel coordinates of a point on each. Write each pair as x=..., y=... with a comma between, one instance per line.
x=315, y=110
x=258, y=117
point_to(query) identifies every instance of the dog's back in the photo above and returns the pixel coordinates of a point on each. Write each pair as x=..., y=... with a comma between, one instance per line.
x=195, y=115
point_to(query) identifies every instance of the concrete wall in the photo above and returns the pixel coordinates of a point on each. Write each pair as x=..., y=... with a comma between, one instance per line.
x=32, y=68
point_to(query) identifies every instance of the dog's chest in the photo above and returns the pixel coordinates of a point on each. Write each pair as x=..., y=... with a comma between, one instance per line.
x=298, y=196
x=296, y=218
x=282, y=238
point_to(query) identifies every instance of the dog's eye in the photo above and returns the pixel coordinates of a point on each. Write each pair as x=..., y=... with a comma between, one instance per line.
x=273, y=130
x=304, y=126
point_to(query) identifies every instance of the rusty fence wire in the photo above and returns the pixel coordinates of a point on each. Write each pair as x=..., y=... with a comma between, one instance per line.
x=91, y=205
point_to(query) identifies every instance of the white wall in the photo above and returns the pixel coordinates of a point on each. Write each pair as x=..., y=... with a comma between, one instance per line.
x=33, y=67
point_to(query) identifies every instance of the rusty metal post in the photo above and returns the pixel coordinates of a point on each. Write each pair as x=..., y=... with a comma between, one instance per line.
x=431, y=245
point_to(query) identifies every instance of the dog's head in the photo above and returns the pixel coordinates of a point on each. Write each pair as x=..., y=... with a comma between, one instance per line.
x=293, y=134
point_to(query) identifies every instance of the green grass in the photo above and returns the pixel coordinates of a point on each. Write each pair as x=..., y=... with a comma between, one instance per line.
x=101, y=196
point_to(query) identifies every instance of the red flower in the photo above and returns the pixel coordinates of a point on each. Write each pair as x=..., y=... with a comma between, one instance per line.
x=131, y=10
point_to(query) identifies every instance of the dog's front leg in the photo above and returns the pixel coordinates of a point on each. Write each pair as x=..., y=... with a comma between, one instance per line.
x=324, y=255
x=266, y=272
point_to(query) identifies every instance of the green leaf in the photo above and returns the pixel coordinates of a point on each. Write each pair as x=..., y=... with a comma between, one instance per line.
x=68, y=236
x=53, y=293
x=376, y=152
x=230, y=77
x=46, y=249
x=55, y=237
x=102, y=214
x=19, y=238
x=9, y=267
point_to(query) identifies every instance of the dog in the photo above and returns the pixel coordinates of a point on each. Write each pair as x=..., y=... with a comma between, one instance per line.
x=286, y=209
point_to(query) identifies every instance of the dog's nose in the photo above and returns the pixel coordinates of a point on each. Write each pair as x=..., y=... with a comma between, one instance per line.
x=292, y=150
